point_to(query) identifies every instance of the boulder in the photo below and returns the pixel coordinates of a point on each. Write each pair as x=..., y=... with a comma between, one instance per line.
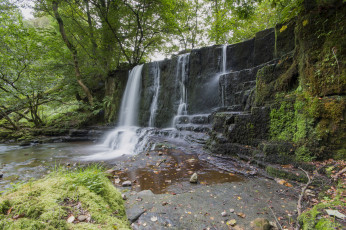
x=261, y=224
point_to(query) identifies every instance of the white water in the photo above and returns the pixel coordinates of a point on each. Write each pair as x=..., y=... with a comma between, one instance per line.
x=124, y=138
x=153, y=107
x=182, y=72
x=224, y=58
x=130, y=102
x=223, y=71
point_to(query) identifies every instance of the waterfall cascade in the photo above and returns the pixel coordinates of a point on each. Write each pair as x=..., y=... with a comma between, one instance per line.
x=186, y=92
x=223, y=71
x=124, y=138
x=127, y=137
x=153, y=106
x=181, y=76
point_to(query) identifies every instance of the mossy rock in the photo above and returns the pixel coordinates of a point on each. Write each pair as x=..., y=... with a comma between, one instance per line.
x=47, y=203
x=280, y=173
x=311, y=219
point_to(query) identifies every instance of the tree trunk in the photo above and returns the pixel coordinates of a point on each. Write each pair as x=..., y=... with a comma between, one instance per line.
x=73, y=50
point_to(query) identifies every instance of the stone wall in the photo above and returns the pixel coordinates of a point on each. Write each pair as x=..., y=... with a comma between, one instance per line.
x=203, y=82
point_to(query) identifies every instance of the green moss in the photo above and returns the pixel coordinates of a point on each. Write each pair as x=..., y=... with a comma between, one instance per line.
x=309, y=219
x=282, y=122
x=340, y=154
x=285, y=175
x=46, y=203
x=304, y=154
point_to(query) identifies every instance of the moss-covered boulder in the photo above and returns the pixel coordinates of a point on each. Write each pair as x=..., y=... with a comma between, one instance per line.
x=84, y=199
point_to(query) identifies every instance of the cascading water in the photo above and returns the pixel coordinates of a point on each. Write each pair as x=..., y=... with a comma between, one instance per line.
x=223, y=71
x=224, y=58
x=182, y=72
x=124, y=138
x=153, y=107
x=129, y=104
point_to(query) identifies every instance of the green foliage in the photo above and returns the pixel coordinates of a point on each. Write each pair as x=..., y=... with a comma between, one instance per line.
x=287, y=9
x=31, y=71
x=93, y=178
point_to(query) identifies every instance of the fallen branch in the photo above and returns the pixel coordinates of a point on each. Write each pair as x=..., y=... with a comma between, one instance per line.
x=158, y=164
x=339, y=173
x=276, y=219
x=299, y=205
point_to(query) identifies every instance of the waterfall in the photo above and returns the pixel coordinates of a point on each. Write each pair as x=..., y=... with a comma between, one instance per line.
x=181, y=75
x=153, y=106
x=224, y=58
x=124, y=138
x=223, y=71
x=129, y=105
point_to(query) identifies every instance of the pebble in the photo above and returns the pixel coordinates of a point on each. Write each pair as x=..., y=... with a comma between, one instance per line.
x=224, y=213
x=127, y=183
x=71, y=219
x=82, y=217
x=194, y=178
x=124, y=196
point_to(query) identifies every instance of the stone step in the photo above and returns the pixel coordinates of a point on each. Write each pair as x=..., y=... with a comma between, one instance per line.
x=193, y=119
x=193, y=127
x=223, y=120
x=232, y=108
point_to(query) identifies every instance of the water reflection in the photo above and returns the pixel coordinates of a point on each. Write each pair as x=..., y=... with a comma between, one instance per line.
x=174, y=167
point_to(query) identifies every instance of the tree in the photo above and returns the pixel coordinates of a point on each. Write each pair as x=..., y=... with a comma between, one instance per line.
x=73, y=50
x=28, y=74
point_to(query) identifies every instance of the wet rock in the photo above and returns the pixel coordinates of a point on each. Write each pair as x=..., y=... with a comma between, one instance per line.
x=264, y=46
x=194, y=178
x=25, y=144
x=124, y=196
x=82, y=218
x=134, y=213
x=224, y=214
x=127, y=183
x=261, y=224
x=146, y=193
x=1, y=175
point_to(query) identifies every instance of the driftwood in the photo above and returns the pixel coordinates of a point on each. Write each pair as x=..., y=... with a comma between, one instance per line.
x=299, y=205
x=276, y=219
x=339, y=173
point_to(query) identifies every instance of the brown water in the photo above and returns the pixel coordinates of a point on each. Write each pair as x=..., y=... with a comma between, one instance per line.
x=171, y=167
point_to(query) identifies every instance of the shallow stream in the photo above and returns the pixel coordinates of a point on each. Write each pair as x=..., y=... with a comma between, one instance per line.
x=159, y=169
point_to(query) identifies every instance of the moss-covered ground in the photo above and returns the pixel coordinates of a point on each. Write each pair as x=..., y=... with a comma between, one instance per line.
x=81, y=199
